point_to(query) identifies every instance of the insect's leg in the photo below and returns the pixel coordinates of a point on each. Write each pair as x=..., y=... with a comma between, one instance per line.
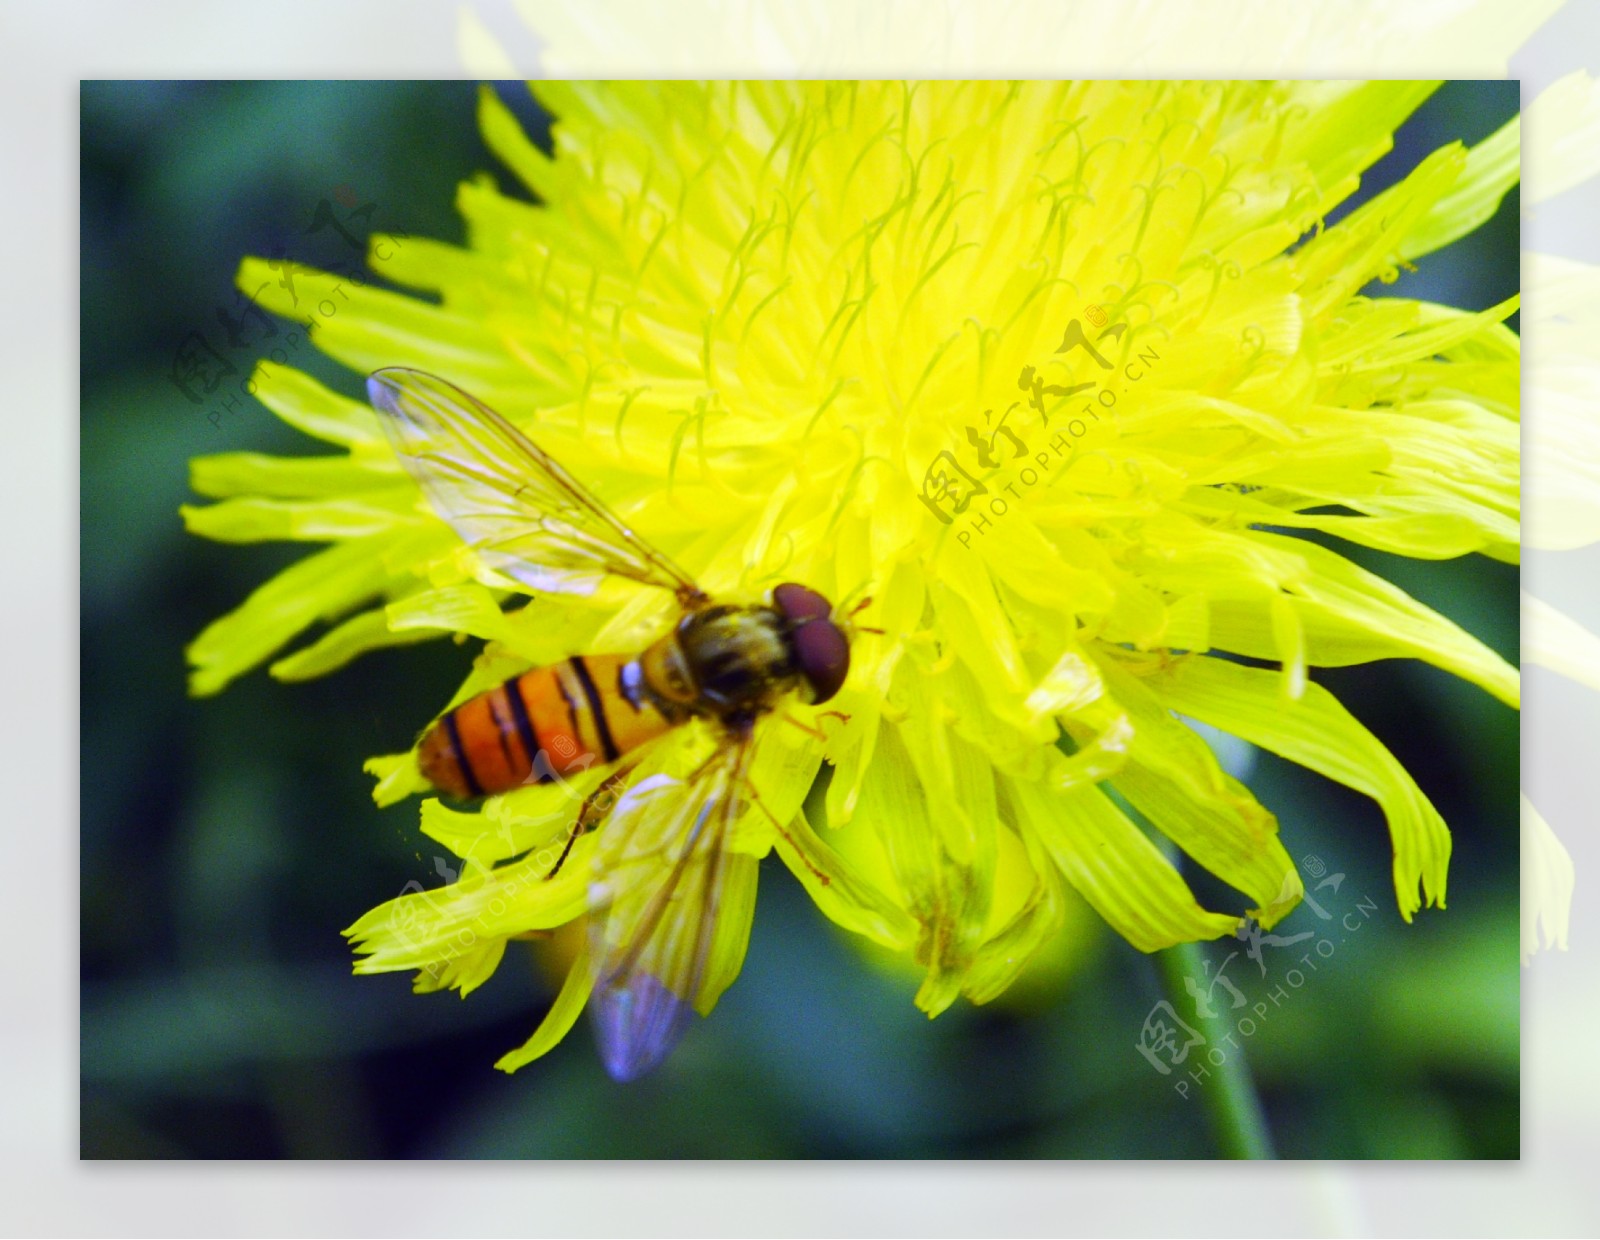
x=572, y=838
x=593, y=811
x=818, y=733
x=778, y=826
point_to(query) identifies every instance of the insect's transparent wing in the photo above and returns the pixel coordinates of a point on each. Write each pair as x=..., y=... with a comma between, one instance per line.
x=512, y=503
x=658, y=892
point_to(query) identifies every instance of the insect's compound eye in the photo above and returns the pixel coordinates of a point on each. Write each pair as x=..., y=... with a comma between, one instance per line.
x=824, y=657
x=821, y=649
x=800, y=603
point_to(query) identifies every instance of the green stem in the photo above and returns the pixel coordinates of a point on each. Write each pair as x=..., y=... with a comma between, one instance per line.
x=1229, y=1096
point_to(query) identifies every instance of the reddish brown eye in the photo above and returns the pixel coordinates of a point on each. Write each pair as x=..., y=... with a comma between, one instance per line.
x=821, y=649
x=823, y=655
x=800, y=603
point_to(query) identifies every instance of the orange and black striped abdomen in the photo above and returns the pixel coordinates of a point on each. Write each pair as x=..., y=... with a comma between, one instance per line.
x=552, y=720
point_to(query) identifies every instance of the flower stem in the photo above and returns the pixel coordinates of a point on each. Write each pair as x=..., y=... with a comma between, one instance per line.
x=1229, y=1096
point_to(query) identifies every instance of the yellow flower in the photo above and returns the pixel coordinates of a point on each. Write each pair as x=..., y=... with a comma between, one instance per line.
x=1051, y=371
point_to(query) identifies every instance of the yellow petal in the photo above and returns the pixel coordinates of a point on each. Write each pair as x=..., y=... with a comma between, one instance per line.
x=1115, y=867
x=1563, y=145
x=1554, y=640
x=1174, y=780
x=1547, y=883
x=558, y=1021
x=1318, y=733
x=368, y=631
x=321, y=587
x=421, y=928
x=841, y=890
x=1492, y=168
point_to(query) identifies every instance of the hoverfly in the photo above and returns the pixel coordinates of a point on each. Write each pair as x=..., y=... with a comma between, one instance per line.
x=654, y=899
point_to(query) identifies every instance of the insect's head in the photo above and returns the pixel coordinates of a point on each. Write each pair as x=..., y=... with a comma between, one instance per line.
x=821, y=645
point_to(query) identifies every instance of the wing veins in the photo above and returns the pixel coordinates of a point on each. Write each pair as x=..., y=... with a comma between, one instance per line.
x=456, y=447
x=727, y=771
x=719, y=781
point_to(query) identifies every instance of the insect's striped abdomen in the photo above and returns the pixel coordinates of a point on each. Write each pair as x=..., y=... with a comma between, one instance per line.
x=549, y=721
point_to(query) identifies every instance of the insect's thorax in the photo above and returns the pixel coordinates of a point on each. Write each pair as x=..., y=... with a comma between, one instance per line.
x=721, y=660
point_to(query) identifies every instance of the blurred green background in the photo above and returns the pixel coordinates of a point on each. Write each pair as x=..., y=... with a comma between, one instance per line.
x=225, y=842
